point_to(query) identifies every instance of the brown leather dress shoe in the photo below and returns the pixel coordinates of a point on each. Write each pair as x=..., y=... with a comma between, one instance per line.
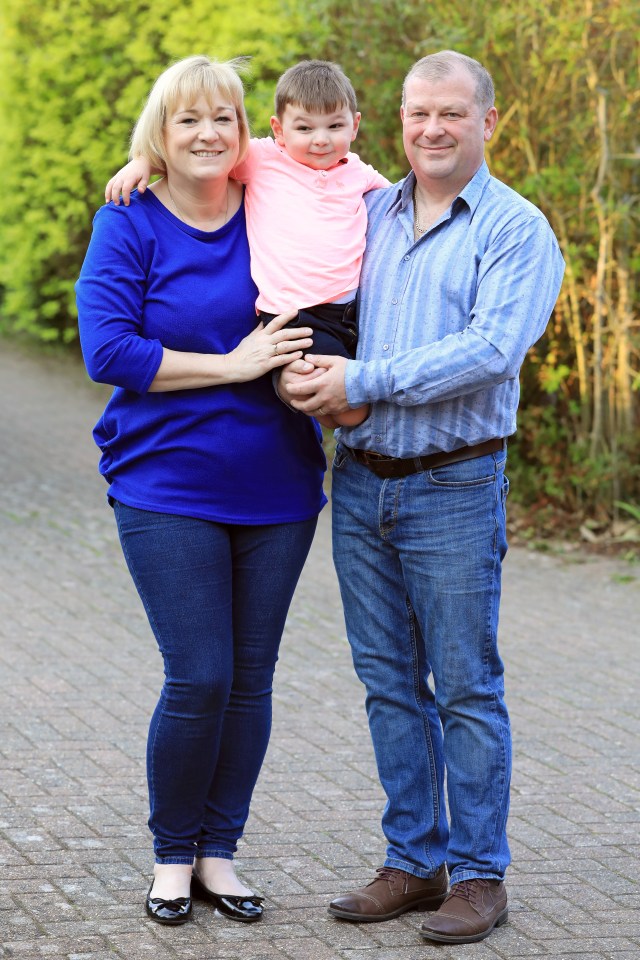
x=392, y=892
x=470, y=912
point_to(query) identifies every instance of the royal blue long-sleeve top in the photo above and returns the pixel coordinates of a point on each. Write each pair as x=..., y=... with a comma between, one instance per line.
x=230, y=453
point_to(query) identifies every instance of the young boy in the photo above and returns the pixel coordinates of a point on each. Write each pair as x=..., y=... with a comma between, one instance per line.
x=306, y=217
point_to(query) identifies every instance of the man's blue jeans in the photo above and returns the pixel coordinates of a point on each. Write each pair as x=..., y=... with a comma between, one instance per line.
x=419, y=564
x=217, y=597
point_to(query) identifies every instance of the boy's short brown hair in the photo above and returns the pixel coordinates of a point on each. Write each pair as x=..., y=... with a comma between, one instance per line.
x=318, y=86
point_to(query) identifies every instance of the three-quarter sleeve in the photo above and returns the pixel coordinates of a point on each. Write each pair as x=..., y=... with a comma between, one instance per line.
x=110, y=294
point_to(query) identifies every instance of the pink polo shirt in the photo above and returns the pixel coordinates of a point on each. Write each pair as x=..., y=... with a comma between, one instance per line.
x=306, y=227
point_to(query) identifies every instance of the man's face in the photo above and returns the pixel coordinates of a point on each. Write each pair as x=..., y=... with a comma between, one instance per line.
x=444, y=130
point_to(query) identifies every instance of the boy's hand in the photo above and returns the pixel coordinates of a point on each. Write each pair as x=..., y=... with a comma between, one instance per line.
x=135, y=174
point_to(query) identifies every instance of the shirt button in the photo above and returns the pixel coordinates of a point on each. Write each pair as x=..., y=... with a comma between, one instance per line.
x=386, y=346
x=324, y=173
x=378, y=439
x=395, y=300
x=407, y=258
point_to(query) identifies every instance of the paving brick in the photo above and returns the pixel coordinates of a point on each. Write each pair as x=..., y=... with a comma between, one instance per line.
x=79, y=674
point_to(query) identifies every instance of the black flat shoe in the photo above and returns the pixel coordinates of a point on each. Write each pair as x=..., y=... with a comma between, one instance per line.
x=171, y=912
x=245, y=909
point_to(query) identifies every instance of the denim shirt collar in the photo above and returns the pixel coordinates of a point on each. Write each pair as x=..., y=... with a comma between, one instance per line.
x=470, y=194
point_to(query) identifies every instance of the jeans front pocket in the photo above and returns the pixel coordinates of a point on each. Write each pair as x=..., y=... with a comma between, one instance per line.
x=467, y=473
x=340, y=456
x=505, y=494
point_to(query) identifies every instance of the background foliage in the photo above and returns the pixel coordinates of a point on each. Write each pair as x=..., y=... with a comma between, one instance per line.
x=566, y=75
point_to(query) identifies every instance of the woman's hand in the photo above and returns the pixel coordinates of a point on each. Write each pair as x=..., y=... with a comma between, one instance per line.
x=263, y=350
x=268, y=347
x=135, y=174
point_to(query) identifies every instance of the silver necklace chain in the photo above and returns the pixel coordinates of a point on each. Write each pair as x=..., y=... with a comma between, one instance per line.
x=418, y=229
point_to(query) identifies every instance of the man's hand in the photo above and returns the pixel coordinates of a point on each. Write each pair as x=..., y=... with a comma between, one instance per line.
x=319, y=393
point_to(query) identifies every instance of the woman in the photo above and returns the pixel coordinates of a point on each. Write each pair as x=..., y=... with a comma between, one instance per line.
x=215, y=484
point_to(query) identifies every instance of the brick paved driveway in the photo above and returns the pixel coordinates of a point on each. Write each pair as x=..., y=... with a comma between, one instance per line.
x=79, y=673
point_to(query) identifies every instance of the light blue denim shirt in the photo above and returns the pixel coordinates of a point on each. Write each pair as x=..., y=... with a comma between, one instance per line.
x=445, y=322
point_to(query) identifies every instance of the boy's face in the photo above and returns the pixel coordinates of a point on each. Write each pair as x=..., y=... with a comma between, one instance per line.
x=318, y=140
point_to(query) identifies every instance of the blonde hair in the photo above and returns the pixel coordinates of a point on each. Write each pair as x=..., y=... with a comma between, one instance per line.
x=183, y=83
x=317, y=86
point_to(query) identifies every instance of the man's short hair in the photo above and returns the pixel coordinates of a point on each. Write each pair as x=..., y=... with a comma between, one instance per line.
x=184, y=82
x=437, y=66
x=317, y=86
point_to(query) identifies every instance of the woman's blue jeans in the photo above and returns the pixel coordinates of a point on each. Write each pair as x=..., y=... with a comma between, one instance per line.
x=419, y=564
x=217, y=598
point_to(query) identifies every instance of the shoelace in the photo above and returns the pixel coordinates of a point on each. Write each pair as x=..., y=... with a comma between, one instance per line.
x=386, y=873
x=467, y=890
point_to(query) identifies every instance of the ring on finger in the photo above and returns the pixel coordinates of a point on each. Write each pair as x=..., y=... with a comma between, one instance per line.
x=275, y=348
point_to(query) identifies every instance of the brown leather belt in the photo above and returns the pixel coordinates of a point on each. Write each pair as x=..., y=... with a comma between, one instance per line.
x=388, y=467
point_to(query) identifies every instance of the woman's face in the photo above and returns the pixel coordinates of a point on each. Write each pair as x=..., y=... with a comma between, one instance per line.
x=202, y=139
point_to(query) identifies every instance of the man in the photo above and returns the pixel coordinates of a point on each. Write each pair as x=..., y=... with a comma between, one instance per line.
x=460, y=277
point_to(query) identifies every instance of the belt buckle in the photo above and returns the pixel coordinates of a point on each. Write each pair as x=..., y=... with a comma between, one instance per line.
x=377, y=457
